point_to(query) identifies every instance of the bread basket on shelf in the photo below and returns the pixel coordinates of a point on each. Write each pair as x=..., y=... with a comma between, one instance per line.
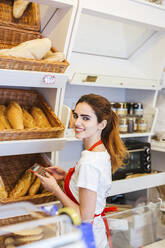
x=30, y=19
x=27, y=99
x=10, y=37
x=11, y=170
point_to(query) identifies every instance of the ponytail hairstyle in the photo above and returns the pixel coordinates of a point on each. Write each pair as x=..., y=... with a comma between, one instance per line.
x=110, y=134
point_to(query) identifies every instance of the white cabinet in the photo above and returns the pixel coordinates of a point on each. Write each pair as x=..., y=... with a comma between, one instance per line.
x=57, y=18
x=122, y=44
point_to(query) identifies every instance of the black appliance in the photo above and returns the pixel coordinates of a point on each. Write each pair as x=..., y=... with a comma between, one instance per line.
x=138, y=161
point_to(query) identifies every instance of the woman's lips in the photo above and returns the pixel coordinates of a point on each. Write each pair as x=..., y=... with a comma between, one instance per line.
x=79, y=130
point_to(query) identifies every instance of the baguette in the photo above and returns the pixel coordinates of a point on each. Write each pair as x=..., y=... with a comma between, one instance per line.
x=22, y=186
x=40, y=119
x=54, y=57
x=31, y=49
x=19, y=7
x=4, y=124
x=28, y=121
x=15, y=115
x=3, y=192
x=35, y=187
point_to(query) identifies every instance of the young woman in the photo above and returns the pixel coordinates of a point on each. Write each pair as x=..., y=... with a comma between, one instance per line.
x=88, y=184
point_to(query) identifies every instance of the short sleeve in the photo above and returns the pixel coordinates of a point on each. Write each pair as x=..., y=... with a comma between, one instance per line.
x=88, y=177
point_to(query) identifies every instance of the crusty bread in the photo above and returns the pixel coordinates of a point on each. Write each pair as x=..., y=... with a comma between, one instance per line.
x=19, y=7
x=22, y=186
x=54, y=57
x=15, y=115
x=28, y=121
x=40, y=119
x=4, y=124
x=3, y=192
x=35, y=186
x=29, y=232
x=28, y=239
x=31, y=49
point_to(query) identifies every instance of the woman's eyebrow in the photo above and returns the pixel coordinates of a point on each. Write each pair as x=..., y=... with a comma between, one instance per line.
x=84, y=115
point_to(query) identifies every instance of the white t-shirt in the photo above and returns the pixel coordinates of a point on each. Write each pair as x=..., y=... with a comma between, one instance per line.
x=93, y=172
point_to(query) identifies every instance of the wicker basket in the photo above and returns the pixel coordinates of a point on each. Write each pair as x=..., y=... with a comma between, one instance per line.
x=27, y=99
x=13, y=167
x=30, y=19
x=10, y=37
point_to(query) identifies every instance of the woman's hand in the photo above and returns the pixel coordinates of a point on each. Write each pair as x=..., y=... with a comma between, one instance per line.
x=49, y=182
x=57, y=172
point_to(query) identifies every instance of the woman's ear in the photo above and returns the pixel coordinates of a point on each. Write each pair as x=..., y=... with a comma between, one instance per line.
x=102, y=124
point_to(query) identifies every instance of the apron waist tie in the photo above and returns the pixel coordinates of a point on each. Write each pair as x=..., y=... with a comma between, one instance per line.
x=103, y=214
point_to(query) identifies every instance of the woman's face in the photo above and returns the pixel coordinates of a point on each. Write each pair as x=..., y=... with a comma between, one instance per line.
x=85, y=122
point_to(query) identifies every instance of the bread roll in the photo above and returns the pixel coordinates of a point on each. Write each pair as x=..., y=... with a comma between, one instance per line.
x=3, y=192
x=29, y=232
x=15, y=115
x=22, y=186
x=28, y=121
x=137, y=175
x=19, y=7
x=40, y=119
x=31, y=49
x=35, y=186
x=54, y=57
x=4, y=124
x=28, y=239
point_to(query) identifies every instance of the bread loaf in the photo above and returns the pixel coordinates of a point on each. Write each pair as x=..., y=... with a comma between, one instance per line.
x=54, y=57
x=31, y=49
x=35, y=186
x=4, y=124
x=40, y=119
x=19, y=7
x=3, y=192
x=15, y=115
x=28, y=121
x=22, y=186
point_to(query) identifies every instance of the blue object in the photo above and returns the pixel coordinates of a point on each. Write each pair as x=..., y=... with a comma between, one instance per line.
x=87, y=234
x=51, y=210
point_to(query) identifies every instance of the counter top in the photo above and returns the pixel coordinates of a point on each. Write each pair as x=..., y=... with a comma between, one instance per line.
x=159, y=244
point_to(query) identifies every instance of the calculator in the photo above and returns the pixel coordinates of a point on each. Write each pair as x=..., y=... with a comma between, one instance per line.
x=39, y=169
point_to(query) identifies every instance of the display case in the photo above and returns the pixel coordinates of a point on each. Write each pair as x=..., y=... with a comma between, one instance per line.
x=25, y=225
x=138, y=227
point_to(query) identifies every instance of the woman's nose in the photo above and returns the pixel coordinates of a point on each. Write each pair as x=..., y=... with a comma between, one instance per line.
x=77, y=121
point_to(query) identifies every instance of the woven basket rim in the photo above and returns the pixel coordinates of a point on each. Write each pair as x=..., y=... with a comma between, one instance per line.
x=60, y=126
x=45, y=161
x=19, y=59
x=21, y=23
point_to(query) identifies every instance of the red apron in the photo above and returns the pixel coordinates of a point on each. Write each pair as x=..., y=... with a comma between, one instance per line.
x=70, y=195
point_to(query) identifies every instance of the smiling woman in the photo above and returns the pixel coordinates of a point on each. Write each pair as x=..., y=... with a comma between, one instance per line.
x=88, y=184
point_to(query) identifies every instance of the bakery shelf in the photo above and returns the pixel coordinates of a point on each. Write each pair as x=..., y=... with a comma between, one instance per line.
x=128, y=135
x=114, y=81
x=56, y=3
x=16, y=147
x=138, y=183
x=158, y=146
x=32, y=79
x=132, y=135
x=137, y=11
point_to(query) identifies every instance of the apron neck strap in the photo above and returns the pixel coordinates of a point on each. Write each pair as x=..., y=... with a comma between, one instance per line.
x=96, y=144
